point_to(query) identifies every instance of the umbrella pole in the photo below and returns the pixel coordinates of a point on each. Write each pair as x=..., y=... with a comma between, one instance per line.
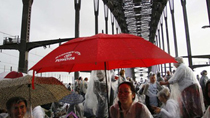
x=30, y=105
x=107, y=89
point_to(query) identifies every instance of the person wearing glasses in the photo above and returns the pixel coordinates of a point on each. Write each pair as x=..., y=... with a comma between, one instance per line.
x=127, y=106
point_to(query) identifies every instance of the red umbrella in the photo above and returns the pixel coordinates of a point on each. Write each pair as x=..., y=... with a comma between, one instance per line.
x=10, y=75
x=101, y=52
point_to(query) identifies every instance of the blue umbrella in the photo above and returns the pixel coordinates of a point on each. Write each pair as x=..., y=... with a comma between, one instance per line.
x=72, y=98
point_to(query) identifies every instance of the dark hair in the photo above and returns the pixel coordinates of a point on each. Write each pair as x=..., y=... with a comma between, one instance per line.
x=80, y=78
x=133, y=92
x=203, y=72
x=13, y=100
x=86, y=79
x=207, y=98
x=122, y=72
x=130, y=85
x=158, y=74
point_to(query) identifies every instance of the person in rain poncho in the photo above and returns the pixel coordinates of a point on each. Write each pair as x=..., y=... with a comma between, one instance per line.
x=96, y=98
x=151, y=93
x=127, y=106
x=83, y=87
x=159, y=78
x=207, y=100
x=17, y=107
x=38, y=112
x=122, y=77
x=170, y=108
x=203, y=80
x=187, y=86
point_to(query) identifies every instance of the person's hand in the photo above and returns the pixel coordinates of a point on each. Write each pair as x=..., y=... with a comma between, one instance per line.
x=162, y=83
x=156, y=109
x=116, y=77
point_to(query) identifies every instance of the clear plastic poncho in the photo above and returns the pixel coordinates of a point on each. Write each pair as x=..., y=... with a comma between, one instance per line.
x=98, y=93
x=182, y=79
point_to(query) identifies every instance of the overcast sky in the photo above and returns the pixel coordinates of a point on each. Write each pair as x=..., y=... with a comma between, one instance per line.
x=53, y=19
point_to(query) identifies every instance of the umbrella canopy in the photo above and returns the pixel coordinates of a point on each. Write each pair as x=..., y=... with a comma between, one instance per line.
x=10, y=75
x=100, y=51
x=48, y=89
x=72, y=98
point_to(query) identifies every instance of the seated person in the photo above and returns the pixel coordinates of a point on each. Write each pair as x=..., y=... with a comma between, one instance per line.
x=151, y=94
x=170, y=107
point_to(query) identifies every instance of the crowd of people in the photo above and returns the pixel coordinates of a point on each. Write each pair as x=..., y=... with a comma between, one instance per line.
x=107, y=95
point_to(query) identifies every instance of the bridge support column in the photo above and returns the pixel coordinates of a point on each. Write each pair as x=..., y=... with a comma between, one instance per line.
x=25, y=31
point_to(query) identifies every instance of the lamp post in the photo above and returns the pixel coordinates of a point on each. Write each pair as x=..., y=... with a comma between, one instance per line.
x=161, y=67
x=106, y=17
x=116, y=24
x=157, y=44
x=112, y=22
x=183, y=2
x=208, y=10
x=96, y=7
x=167, y=36
x=163, y=42
x=77, y=5
x=171, y=4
